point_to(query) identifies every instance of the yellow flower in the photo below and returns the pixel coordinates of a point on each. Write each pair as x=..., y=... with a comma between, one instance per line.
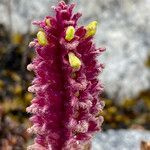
x=74, y=61
x=91, y=29
x=48, y=22
x=70, y=33
x=41, y=36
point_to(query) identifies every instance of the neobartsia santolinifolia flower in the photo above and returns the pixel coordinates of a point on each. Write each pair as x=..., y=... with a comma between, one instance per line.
x=66, y=104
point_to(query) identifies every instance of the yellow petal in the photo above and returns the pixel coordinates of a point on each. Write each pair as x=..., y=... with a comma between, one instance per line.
x=70, y=33
x=74, y=61
x=91, y=29
x=48, y=22
x=41, y=36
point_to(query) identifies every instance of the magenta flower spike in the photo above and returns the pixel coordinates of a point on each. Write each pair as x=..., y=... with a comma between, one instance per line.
x=65, y=110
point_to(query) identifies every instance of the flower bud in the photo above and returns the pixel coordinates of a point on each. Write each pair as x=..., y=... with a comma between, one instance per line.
x=48, y=22
x=41, y=36
x=74, y=61
x=91, y=29
x=70, y=33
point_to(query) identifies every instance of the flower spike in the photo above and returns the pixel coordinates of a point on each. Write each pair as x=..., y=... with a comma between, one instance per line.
x=66, y=106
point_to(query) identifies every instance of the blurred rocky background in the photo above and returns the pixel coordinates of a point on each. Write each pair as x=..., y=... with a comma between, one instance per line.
x=124, y=29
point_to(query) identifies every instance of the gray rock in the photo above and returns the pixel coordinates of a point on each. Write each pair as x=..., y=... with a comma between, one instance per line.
x=124, y=30
x=120, y=140
x=20, y=13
